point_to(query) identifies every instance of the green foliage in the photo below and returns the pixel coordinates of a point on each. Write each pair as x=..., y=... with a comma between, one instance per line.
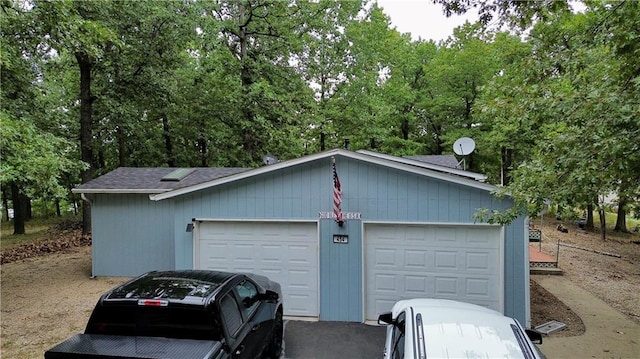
x=223, y=83
x=32, y=160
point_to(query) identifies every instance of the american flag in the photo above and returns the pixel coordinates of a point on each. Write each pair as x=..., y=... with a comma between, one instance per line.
x=337, y=193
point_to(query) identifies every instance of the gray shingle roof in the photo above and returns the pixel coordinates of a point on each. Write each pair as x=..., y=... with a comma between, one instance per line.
x=440, y=160
x=150, y=179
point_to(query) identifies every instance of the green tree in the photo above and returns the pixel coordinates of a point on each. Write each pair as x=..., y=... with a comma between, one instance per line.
x=576, y=99
x=32, y=164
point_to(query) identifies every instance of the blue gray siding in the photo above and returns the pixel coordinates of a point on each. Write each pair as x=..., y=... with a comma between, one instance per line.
x=131, y=235
x=516, y=267
x=341, y=273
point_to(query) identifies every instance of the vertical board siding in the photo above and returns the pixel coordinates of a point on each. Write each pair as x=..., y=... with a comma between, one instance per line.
x=386, y=194
x=131, y=235
x=341, y=273
x=515, y=271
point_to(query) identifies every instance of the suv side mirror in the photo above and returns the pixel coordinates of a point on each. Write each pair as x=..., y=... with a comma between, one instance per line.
x=385, y=319
x=534, y=336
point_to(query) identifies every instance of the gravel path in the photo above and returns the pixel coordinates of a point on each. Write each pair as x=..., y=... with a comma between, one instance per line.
x=614, y=280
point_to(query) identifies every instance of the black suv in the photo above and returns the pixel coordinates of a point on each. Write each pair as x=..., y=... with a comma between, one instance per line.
x=205, y=313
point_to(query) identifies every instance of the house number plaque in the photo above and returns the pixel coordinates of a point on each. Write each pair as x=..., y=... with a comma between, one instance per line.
x=340, y=238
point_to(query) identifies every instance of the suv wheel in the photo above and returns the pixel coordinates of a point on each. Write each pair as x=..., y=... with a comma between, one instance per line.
x=275, y=346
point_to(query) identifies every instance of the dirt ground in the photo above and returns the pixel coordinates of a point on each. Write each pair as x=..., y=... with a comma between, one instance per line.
x=614, y=280
x=48, y=297
x=45, y=299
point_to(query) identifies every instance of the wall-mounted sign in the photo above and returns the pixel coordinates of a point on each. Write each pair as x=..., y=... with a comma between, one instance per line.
x=345, y=215
x=340, y=238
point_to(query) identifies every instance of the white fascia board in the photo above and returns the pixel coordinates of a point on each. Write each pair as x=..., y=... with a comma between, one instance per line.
x=476, y=176
x=420, y=170
x=124, y=191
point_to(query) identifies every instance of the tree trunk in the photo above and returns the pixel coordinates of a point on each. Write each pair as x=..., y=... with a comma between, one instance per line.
x=5, y=204
x=603, y=224
x=202, y=145
x=26, y=205
x=168, y=144
x=590, y=225
x=404, y=127
x=19, y=212
x=86, y=131
x=122, y=146
x=507, y=159
x=250, y=140
x=621, y=221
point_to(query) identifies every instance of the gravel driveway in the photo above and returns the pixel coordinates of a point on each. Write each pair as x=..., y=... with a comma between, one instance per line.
x=58, y=298
x=46, y=299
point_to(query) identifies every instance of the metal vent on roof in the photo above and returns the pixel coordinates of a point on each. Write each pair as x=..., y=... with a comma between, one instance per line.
x=177, y=175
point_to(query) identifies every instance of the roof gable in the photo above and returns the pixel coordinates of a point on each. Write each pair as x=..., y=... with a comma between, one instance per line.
x=149, y=180
x=433, y=171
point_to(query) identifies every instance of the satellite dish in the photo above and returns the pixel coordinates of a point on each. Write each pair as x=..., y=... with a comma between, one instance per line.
x=269, y=159
x=464, y=146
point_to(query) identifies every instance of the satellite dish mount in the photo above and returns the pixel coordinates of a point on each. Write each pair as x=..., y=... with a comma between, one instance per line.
x=269, y=159
x=462, y=147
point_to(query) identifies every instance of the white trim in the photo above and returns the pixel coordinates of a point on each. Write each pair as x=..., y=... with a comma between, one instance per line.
x=363, y=275
x=501, y=251
x=103, y=191
x=476, y=176
x=316, y=222
x=502, y=244
x=196, y=244
x=252, y=220
x=450, y=176
x=527, y=274
x=442, y=224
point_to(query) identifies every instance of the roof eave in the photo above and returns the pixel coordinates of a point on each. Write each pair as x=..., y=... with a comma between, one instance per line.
x=118, y=190
x=476, y=176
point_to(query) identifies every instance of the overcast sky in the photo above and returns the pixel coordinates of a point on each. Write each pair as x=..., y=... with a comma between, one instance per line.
x=422, y=18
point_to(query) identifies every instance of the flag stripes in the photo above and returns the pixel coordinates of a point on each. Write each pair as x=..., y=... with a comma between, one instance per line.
x=337, y=193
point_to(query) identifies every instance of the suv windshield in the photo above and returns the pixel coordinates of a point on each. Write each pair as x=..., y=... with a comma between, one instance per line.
x=161, y=287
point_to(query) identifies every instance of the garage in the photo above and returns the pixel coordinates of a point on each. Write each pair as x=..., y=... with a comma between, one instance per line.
x=408, y=230
x=448, y=262
x=285, y=252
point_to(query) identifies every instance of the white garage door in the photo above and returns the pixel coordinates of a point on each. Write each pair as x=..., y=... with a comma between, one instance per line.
x=411, y=261
x=284, y=252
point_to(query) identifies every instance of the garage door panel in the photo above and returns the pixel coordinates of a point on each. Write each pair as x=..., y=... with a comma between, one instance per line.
x=283, y=252
x=478, y=261
x=430, y=261
x=416, y=258
x=415, y=284
x=446, y=287
x=477, y=287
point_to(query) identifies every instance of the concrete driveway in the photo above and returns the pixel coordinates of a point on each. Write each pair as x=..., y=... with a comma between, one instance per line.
x=608, y=333
x=330, y=340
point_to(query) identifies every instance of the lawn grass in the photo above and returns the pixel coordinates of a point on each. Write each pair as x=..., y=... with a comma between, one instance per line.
x=35, y=229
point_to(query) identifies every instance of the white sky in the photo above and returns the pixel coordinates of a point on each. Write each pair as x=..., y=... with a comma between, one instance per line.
x=423, y=19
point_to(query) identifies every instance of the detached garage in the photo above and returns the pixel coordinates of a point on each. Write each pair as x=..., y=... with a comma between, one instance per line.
x=398, y=228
